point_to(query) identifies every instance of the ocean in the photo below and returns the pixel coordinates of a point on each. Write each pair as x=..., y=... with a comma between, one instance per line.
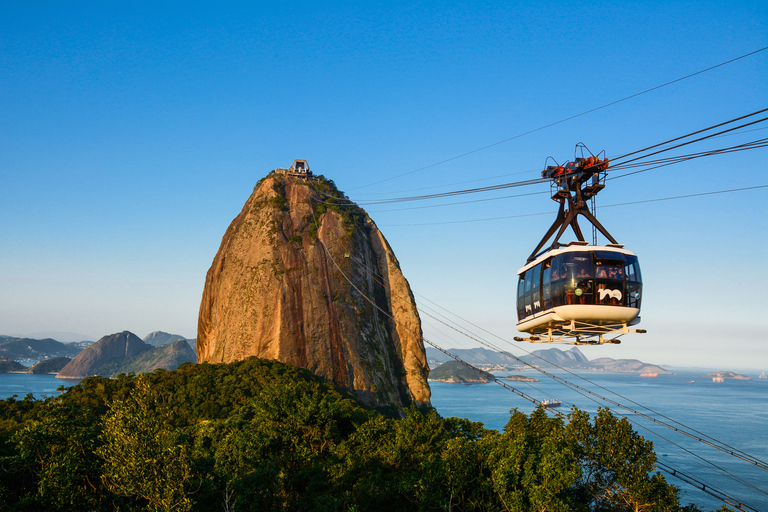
x=734, y=412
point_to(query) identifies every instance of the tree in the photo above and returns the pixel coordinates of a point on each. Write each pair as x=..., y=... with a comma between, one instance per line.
x=618, y=466
x=54, y=466
x=533, y=464
x=142, y=457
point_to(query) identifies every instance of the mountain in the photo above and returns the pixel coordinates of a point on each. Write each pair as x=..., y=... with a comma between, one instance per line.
x=109, y=350
x=158, y=338
x=168, y=356
x=572, y=358
x=475, y=356
x=455, y=372
x=548, y=359
x=28, y=348
x=305, y=277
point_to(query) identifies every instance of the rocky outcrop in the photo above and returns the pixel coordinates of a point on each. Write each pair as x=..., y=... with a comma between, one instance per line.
x=305, y=278
x=105, y=352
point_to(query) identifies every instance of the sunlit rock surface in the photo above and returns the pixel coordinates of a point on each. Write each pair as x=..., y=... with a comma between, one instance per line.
x=317, y=286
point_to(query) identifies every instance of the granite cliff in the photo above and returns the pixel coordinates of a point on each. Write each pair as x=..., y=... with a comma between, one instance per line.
x=294, y=280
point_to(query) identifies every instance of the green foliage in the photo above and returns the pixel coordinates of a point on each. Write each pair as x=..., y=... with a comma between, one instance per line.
x=352, y=216
x=142, y=456
x=262, y=435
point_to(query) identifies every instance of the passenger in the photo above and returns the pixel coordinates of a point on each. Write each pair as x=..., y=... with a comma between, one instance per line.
x=582, y=273
x=601, y=273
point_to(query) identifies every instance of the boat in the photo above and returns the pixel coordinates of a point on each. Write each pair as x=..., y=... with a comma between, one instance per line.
x=762, y=376
x=690, y=382
x=551, y=403
x=649, y=374
x=718, y=379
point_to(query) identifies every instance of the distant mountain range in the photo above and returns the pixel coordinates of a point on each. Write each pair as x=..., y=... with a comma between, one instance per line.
x=572, y=359
x=21, y=349
x=111, y=355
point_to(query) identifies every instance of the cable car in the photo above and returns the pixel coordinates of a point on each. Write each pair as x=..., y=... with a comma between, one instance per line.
x=578, y=293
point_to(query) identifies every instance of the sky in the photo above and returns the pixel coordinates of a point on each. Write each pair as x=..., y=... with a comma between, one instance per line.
x=132, y=133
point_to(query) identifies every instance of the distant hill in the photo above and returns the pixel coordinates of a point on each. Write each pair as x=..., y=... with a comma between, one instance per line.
x=474, y=356
x=165, y=356
x=53, y=365
x=550, y=358
x=158, y=338
x=28, y=348
x=8, y=365
x=455, y=372
x=125, y=353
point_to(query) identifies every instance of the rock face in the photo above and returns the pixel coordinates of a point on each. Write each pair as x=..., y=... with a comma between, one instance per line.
x=104, y=352
x=294, y=280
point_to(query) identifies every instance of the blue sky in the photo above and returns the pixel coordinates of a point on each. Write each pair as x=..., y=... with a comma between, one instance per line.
x=132, y=133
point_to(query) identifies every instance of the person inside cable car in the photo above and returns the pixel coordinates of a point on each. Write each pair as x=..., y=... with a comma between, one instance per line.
x=601, y=273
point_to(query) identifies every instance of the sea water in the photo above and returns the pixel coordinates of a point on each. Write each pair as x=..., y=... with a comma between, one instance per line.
x=734, y=412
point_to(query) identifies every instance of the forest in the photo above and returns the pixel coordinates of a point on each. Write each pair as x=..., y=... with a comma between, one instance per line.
x=259, y=435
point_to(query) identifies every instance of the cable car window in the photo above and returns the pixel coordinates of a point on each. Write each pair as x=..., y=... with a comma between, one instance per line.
x=536, y=280
x=634, y=292
x=632, y=269
x=546, y=283
x=521, y=297
x=535, y=294
x=609, y=282
x=634, y=282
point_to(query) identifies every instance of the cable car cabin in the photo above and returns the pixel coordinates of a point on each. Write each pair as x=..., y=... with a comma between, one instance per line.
x=579, y=292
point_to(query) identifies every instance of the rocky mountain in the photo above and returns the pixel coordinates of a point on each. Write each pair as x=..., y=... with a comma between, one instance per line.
x=306, y=278
x=550, y=358
x=107, y=351
x=455, y=372
x=168, y=356
x=20, y=349
x=123, y=353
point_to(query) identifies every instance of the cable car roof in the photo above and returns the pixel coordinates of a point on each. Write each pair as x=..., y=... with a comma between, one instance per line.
x=577, y=247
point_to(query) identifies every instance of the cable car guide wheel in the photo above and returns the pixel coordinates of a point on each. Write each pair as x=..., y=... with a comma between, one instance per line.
x=578, y=293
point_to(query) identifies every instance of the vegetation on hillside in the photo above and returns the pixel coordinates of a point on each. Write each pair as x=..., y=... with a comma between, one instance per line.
x=454, y=371
x=262, y=435
x=52, y=365
x=7, y=366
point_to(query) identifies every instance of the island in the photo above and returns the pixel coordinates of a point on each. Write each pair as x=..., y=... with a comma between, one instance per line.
x=520, y=378
x=456, y=373
x=726, y=375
